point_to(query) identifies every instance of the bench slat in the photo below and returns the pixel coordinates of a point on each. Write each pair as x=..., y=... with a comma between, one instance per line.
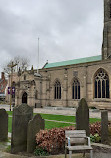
x=75, y=133
x=76, y=148
x=78, y=140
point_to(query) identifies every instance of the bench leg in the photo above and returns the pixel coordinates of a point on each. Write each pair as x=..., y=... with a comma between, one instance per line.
x=84, y=154
x=65, y=153
x=91, y=154
x=70, y=153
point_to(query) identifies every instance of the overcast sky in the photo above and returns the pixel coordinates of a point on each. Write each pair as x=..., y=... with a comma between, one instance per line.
x=68, y=29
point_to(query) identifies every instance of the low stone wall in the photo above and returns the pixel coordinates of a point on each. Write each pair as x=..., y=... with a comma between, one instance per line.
x=97, y=147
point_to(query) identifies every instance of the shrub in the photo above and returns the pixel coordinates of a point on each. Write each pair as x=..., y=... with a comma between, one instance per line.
x=39, y=151
x=95, y=128
x=95, y=138
x=52, y=140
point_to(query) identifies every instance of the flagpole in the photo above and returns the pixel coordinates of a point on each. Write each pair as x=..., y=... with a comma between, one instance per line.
x=38, y=56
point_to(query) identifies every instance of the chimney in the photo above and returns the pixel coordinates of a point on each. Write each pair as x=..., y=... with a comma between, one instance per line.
x=2, y=76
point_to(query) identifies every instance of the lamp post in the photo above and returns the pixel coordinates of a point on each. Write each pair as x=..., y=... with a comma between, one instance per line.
x=11, y=77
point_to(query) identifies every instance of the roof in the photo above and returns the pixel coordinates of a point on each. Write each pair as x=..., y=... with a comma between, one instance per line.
x=75, y=61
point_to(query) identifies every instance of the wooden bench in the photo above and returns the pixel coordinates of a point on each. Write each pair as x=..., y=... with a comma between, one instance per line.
x=76, y=140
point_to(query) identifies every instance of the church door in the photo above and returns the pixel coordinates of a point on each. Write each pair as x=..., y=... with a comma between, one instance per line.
x=24, y=98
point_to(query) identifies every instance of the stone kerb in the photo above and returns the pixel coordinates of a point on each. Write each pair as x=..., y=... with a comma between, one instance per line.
x=3, y=125
x=82, y=116
x=34, y=126
x=21, y=116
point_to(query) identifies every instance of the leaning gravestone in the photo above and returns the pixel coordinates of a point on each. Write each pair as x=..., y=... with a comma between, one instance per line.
x=82, y=116
x=34, y=126
x=3, y=125
x=21, y=116
x=104, y=126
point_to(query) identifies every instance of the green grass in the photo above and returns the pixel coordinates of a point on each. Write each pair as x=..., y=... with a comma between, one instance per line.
x=52, y=124
x=10, y=124
x=10, y=113
x=64, y=118
x=71, y=119
x=48, y=124
x=8, y=149
x=58, y=117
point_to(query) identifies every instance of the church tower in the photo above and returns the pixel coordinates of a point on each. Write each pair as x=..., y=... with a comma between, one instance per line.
x=106, y=46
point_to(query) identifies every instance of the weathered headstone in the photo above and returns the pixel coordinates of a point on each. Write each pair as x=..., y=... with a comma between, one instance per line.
x=34, y=127
x=3, y=125
x=82, y=117
x=104, y=126
x=21, y=116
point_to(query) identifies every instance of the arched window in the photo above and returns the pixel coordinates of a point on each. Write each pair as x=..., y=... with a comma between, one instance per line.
x=57, y=90
x=76, y=89
x=101, y=82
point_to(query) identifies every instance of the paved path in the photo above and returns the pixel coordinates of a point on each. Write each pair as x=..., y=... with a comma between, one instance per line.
x=95, y=155
x=69, y=112
x=62, y=111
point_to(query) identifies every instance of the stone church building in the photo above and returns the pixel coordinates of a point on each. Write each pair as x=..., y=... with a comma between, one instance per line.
x=65, y=83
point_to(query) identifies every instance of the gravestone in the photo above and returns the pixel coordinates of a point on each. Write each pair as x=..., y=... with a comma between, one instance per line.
x=21, y=116
x=104, y=126
x=82, y=117
x=34, y=126
x=3, y=125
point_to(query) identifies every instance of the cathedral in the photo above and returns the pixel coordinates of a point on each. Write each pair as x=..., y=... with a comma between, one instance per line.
x=63, y=84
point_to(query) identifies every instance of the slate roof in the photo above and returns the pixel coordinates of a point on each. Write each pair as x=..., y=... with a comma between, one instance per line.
x=75, y=61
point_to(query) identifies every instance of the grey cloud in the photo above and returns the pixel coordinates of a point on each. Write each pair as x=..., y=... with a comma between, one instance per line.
x=67, y=29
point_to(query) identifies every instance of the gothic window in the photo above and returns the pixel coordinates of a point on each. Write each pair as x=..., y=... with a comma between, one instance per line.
x=57, y=90
x=101, y=84
x=76, y=89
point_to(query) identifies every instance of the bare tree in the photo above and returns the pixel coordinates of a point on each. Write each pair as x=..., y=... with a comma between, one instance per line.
x=21, y=62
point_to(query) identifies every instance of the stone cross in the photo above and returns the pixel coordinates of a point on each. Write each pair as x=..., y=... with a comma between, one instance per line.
x=82, y=117
x=3, y=125
x=21, y=116
x=34, y=126
x=104, y=126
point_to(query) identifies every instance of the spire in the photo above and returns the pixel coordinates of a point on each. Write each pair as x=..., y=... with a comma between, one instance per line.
x=32, y=70
x=106, y=46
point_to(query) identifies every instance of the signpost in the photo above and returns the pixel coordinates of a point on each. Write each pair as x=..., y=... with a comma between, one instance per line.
x=10, y=89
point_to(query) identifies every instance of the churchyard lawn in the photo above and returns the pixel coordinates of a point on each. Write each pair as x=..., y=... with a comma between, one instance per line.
x=50, y=120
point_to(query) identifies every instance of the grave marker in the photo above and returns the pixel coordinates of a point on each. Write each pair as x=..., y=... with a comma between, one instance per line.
x=21, y=116
x=34, y=126
x=104, y=126
x=3, y=125
x=82, y=116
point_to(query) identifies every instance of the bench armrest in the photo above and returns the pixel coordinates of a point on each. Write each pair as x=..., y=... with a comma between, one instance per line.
x=69, y=142
x=89, y=144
